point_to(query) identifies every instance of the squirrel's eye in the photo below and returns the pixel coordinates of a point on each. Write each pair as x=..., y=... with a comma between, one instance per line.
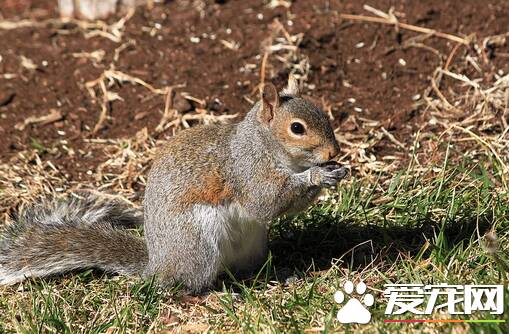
x=297, y=128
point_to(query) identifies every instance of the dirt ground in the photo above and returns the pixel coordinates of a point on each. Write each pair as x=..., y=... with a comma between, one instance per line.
x=210, y=53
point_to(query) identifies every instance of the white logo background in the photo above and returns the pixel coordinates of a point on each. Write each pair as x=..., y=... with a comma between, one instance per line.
x=354, y=311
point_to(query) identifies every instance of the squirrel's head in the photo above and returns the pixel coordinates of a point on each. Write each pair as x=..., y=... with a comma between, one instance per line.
x=302, y=129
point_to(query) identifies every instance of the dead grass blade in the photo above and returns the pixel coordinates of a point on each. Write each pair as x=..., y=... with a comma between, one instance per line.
x=53, y=116
x=391, y=19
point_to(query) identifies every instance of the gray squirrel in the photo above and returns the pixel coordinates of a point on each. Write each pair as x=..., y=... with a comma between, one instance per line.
x=211, y=193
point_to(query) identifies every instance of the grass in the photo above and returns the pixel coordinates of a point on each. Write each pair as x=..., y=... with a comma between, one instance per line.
x=406, y=229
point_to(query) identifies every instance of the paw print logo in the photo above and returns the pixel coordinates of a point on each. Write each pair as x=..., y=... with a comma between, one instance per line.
x=354, y=311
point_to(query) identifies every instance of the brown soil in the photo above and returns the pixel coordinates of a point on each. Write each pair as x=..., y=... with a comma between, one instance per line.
x=356, y=68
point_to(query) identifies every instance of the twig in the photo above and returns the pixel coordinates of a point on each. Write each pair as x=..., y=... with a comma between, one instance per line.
x=392, y=138
x=404, y=26
x=104, y=108
x=9, y=25
x=464, y=79
x=112, y=32
x=53, y=116
x=437, y=91
x=451, y=56
x=120, y=76
x=281, y=27
x=168, y=107
x=262, y=70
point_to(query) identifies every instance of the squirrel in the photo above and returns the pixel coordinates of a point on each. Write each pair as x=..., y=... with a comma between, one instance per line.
x=211, y=193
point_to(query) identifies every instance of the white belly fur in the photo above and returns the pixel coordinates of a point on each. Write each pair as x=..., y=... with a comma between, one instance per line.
x=241, y=240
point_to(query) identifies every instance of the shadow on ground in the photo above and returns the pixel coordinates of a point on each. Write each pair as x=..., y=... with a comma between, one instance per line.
x=316, y=246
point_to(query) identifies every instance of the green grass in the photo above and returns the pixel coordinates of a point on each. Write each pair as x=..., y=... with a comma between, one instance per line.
x=406, y=229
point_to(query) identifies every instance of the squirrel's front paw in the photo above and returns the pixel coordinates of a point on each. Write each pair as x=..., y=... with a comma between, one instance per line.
x=327, y=175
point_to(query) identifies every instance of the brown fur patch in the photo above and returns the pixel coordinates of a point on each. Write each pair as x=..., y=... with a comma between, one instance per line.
x=212, y=190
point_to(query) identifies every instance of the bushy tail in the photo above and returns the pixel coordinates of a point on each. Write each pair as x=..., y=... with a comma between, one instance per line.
x=61, y=236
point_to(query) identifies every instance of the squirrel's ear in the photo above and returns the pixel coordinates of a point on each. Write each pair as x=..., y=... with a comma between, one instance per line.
x=269, y=103
x=292, y=88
